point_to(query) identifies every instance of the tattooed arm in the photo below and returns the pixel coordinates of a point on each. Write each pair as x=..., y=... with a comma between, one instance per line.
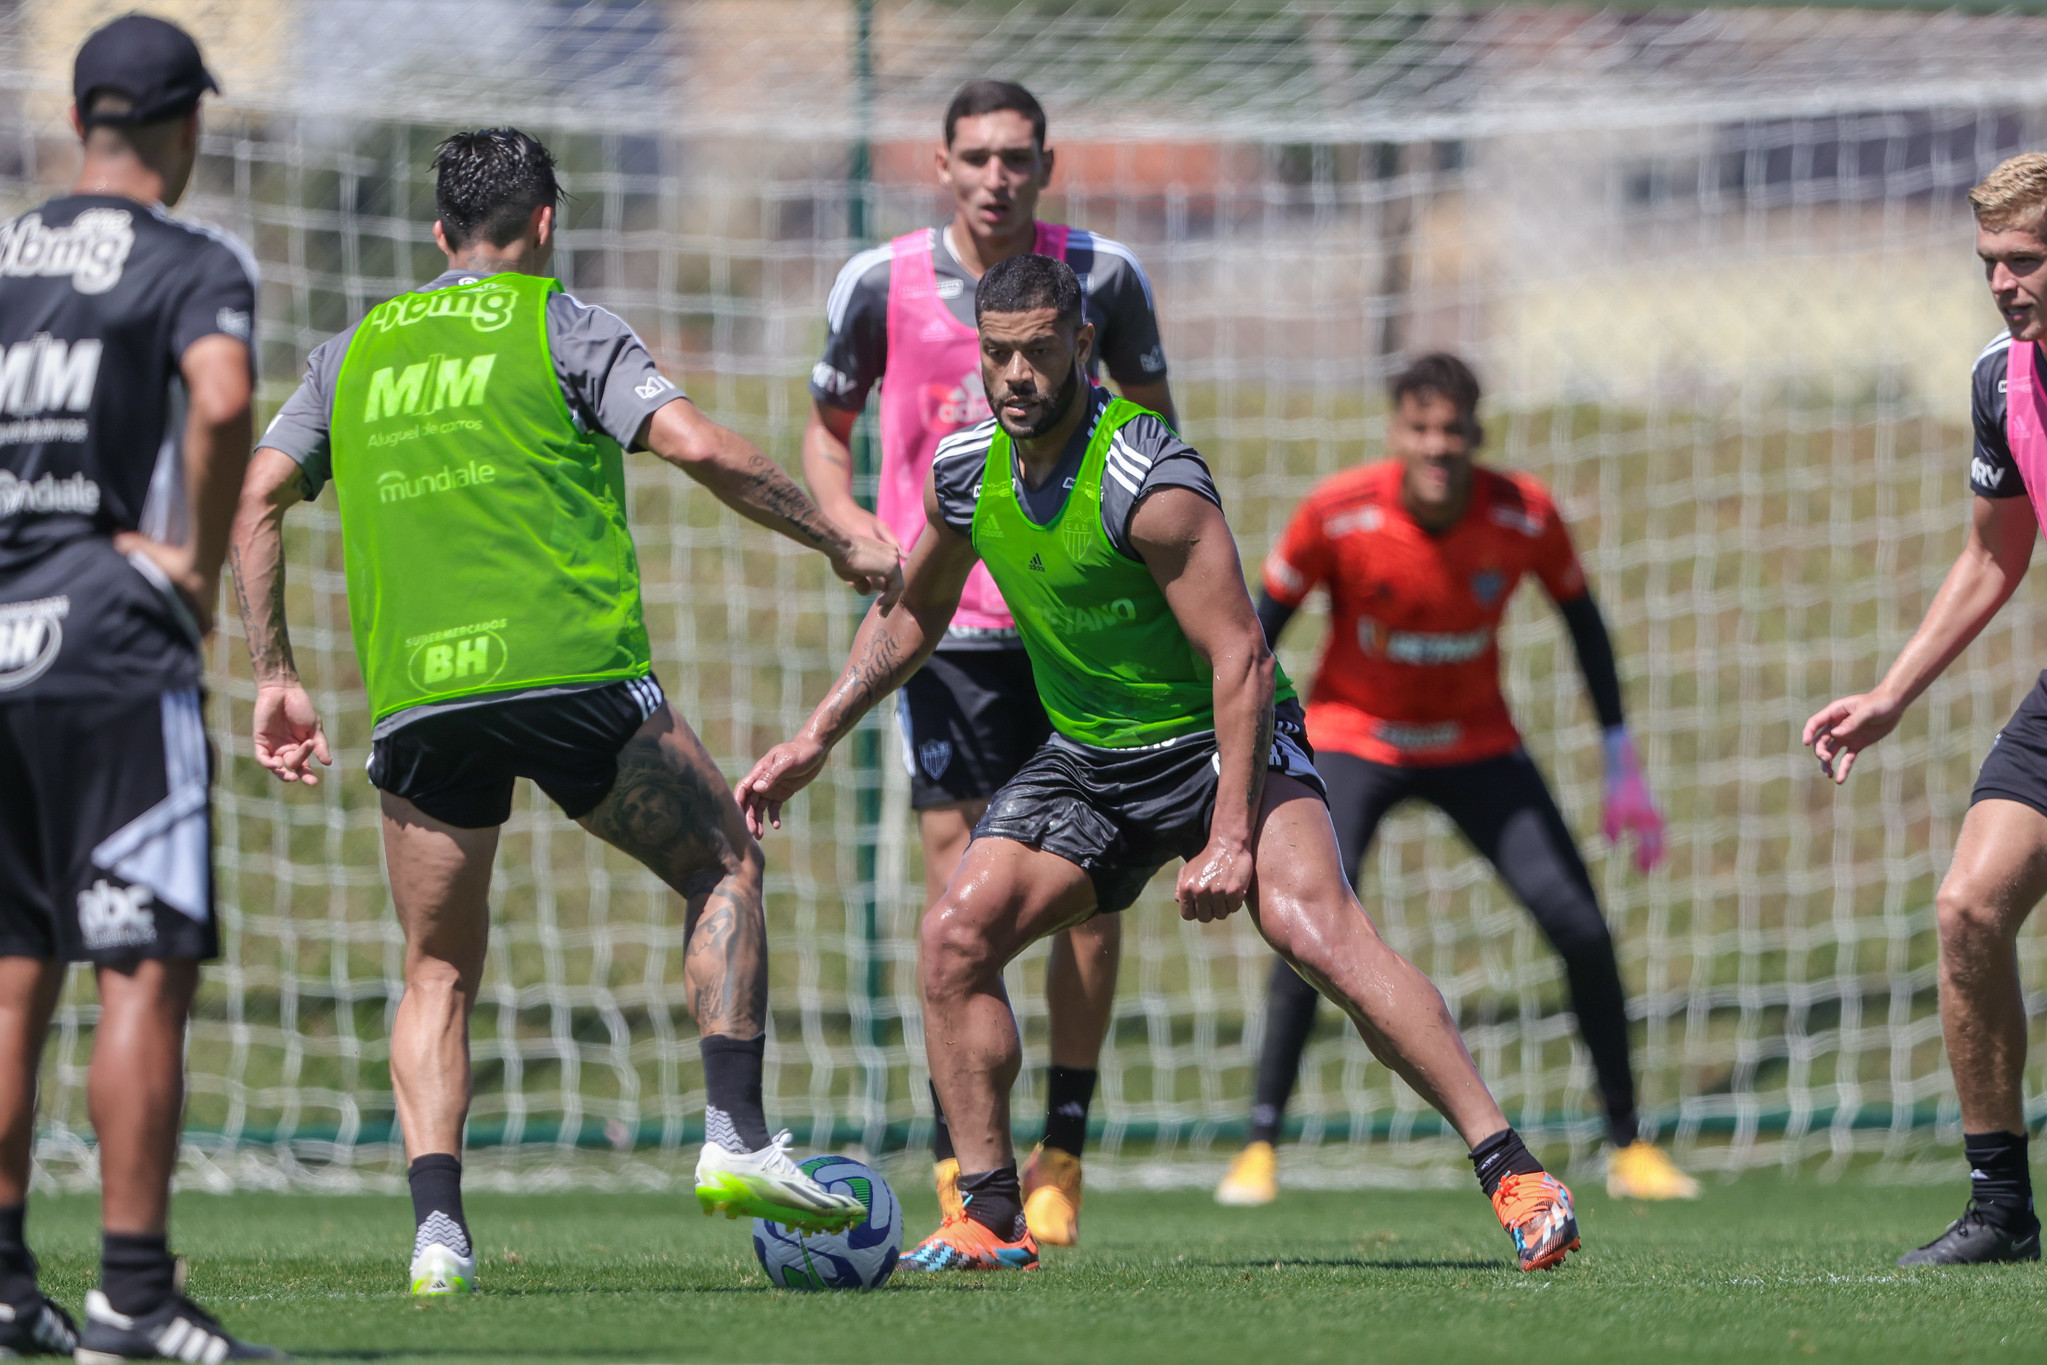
x=287, y=728
x=752, y=485
x=886, y=651
x=1184, y=541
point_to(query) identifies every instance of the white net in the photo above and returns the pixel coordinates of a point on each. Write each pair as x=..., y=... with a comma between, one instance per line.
x=1714, y=265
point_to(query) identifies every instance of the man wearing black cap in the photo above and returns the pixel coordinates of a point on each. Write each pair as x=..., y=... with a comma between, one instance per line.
x=125, y=383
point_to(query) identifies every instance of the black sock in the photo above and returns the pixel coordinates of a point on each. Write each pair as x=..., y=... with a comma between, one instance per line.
x=1068, y=1092
x=137, y=1274
x=436, y=1181
x=1499, y=1156
x=733, y=1116
x=2000, y=1180
x=941, y=1131
x=1622, y=1130
x=17, y=1266
x=995, y=1201
x=1289, y=1019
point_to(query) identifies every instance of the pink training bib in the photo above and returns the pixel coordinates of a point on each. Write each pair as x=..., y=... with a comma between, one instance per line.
x=932, y=388
x=2025, y=422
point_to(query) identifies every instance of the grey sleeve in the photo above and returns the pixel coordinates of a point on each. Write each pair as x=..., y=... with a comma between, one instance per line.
x=856, y=333
x=301, y=426
x=1131, y=351
x=957, y=476
x=1144, y=457
x=607, y=374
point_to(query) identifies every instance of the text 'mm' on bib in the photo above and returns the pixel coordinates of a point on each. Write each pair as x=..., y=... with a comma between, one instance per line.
x=484, y=533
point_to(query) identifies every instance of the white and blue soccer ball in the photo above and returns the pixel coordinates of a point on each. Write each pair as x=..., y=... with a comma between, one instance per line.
x=861, y=1257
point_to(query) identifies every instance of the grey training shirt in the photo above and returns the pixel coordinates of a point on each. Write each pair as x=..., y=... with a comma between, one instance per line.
x=1146, y=457
x=607, y=376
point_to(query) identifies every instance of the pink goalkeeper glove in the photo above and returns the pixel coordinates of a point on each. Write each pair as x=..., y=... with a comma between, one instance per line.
x=1629, y=807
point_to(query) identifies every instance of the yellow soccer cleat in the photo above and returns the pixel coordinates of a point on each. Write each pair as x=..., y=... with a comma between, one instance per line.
x=946, y=1175
x=1640, y=1170
x=1051, y=1191
x=1253, y=1178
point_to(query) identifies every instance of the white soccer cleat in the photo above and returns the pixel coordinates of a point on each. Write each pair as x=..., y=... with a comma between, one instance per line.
x=767, y=1184
x=439, y=1270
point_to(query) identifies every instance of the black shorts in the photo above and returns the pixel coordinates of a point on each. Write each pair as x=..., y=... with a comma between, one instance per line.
x=457, y=761
x=1123, y=814
x=106, y=829
x=971, y=718
x=2016, y=768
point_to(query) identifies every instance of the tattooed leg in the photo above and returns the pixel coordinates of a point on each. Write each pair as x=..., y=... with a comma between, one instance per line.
x=671, y=809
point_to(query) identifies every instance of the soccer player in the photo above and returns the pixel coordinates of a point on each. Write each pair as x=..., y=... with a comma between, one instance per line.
x=1999, y=870
x=1420, y=554
x=126, y=376
x=1175, y=736
x=473, y=432
x=902, y=315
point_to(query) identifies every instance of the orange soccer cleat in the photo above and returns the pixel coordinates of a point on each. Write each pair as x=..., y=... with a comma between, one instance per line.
x=963, y=1244
x=1536, y=1212
x=946, y=1176
x=1051, y=1191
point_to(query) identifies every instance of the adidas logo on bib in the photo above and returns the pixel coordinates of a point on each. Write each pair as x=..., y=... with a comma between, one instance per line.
x=1037, y=564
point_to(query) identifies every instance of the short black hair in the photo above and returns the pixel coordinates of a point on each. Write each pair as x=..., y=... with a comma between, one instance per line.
x=1446, y=376
x=986, y=97
x=488, y=182
x=1025, y=282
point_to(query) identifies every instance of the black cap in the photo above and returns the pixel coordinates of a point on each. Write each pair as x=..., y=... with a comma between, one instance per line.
x=155, y=64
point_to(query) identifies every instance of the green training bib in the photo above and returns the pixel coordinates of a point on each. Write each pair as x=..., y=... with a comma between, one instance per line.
x=484, y=536
x=1113, y=667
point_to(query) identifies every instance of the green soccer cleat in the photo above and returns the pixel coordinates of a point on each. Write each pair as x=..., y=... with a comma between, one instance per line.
x=767, y=1184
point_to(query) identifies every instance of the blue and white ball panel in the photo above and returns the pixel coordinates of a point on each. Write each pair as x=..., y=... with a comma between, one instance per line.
x=862, y=1257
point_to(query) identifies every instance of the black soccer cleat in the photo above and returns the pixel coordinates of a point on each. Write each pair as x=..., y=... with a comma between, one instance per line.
x=180, y=1330
x=36, y=1328
x=1973, y=1239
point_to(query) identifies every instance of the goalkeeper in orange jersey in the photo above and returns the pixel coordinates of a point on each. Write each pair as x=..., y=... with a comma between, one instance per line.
x=1419, y=554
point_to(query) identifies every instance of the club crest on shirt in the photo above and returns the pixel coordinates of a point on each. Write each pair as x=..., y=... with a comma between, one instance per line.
x=934, y=755
x=1487, y=585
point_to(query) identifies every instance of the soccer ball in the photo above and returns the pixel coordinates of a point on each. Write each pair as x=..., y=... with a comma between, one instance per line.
x=861, y=1257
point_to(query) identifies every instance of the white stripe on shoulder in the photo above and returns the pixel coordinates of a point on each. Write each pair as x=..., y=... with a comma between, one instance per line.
x=1998, y=343
x=1116, y=442
x=975, y=440
x=849, y=279
x=1108, y=246
x=243, y=256
x=1118, y=473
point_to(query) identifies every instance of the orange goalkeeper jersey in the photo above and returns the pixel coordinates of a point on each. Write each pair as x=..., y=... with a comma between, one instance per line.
x=1410, y=672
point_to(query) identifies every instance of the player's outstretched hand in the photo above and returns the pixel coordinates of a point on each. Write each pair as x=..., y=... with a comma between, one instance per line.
x=1842, y=729
x=288, y=733
x=1213, y=885
x=1629, y=807
x=782, y=772
x=873, y=566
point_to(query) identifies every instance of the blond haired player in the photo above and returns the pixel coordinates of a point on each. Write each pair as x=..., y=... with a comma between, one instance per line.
x=1999, y=871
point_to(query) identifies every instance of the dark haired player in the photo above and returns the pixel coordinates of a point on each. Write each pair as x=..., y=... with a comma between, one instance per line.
x=1175, y=735
x=474, y=432
x=1420, y=554
x=902, y=316
x=1999, y=872
x=125, y=380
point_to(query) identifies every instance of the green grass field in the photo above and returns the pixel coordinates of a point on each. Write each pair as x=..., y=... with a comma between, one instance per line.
x=1763, y=1269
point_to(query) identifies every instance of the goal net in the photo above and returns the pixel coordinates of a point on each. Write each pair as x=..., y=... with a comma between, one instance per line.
x=1714, y=266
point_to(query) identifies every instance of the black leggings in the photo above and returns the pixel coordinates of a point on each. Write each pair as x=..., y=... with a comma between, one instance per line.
x=1504, y=808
